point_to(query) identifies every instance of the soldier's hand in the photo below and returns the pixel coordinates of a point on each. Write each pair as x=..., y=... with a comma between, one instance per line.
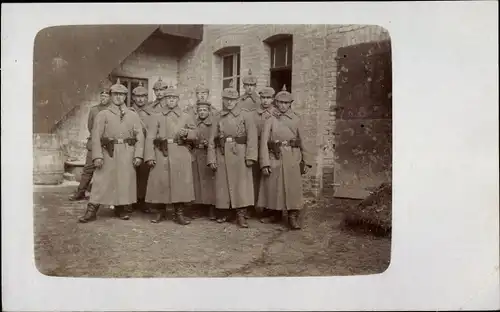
x=183, y=132
x=213, y=167
x=98, y=163
x=249, y=162
x=266, y=171
x=306, y=169
x=137, y=162
x=151, y=163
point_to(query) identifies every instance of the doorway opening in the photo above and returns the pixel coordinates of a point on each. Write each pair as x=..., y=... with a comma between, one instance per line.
x=280, y=77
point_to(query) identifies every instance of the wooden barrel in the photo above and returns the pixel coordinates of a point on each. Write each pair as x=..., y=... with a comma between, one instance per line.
x=48, y=159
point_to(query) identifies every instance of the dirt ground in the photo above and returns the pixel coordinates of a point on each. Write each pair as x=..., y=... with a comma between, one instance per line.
x=110, y=247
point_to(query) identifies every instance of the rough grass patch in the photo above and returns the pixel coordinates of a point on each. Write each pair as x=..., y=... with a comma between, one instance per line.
x=373, y=214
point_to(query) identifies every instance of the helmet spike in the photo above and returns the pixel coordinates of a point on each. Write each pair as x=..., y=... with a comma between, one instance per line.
x=250, y=79
x=284, y=88
x=118, y=81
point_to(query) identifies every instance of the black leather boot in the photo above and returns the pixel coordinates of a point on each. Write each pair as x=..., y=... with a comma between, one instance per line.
x=161, y=213
x=136, y=206
x=143, y=206
x=179, y=215
x=195, y=210
x=211, y=213
x=269, y=216
x=241, y=220
x=129, y=208
x=90, y=213
x=121, y=212
x=78, y=195
x=247, y=213
x=293, y=219
x=222, y=215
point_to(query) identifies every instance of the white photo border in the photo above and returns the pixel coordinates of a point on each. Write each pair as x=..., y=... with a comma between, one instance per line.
x=445, y=242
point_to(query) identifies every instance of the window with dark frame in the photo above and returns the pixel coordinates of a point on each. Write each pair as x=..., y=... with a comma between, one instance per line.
x=281, y=63
x=281, y=54
x=231, y=64
x=131, y=84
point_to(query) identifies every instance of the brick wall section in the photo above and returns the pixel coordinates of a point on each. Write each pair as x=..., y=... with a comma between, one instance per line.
x=193, y=70
x=155, y=57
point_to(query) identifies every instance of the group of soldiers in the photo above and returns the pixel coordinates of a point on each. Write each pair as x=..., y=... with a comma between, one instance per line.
x=249, y=156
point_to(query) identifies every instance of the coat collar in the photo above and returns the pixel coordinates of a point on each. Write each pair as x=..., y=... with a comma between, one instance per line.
x=253, y=96
x=235, y=111
x=177, y=110
x=155, y=103
x=262, y=110
x=289, y=113
x=144, y=109
x=115, y=110
x=207, y=121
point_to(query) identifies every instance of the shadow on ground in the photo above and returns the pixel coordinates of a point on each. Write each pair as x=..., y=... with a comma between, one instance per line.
x=110, y=247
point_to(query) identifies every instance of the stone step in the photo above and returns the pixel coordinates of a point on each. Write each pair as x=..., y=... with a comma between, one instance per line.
x=69, y=176
x=75, y=168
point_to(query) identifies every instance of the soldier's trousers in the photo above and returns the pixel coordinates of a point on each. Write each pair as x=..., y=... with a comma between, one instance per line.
x=256, y=173
x=87, y=173
x=142, y=181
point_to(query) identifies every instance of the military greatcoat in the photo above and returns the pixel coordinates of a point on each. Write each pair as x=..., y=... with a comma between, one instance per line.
x=235, y=134
x=203, y=176
x=115, y=182
x=260, y=115
x=144, y=113
x=94, y=110
x=282, y=190
x=249, y=102
x=171, y=179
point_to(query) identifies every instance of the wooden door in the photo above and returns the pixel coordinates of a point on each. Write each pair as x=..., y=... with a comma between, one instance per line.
x=363, y=131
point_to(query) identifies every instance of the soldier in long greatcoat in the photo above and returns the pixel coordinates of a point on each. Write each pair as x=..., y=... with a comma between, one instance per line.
x=202, y=94
x=203, y=176
x=170, y=133
x=89, y=168
x=159, y=88
x=117, y=148
x=284, y=157
x=250, y=100
x=263, y=113
x=141, y=107
x=232, y=151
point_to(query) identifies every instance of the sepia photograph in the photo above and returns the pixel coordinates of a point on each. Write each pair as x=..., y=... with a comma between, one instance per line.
x=212, y=150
